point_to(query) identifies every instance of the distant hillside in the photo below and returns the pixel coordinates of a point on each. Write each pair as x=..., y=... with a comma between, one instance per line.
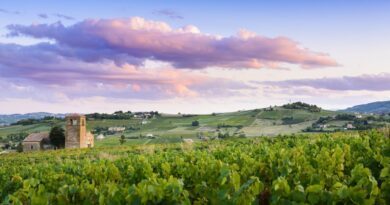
x=374, y=107
x=271, y=121
x=8, y=119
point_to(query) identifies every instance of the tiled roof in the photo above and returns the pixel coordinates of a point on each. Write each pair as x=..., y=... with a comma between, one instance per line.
x=36, y=137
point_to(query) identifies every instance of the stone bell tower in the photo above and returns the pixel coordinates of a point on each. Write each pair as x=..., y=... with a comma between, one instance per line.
x=76, y=135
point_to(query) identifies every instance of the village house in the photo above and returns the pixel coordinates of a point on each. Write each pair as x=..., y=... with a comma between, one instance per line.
x=76, y=136
x=100, y=137
x=150, y=136
x=322, y=126
x=144, y=122
x=116, y=129
x=350, y=126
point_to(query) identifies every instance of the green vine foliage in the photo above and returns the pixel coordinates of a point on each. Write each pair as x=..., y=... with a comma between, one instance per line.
x=339, y=168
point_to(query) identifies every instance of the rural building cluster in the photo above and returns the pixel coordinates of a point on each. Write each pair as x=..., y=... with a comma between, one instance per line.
x=76, y=136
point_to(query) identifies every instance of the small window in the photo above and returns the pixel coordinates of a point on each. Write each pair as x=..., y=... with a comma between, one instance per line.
x=32, y=146
x=82, y=122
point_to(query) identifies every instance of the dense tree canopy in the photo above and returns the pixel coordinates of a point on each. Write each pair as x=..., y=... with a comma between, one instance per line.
x=57, y=136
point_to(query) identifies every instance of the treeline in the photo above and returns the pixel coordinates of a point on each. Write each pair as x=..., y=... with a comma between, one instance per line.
x=32, y=121
x=358, y=123
x=223, y=125
x=14, y=137
x=120, y=115
x=302, y=106
x=291, y=120
x=13, y=141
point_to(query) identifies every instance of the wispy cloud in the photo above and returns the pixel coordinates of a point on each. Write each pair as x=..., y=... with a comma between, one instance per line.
x=169, y=13
x=373, y=82
x=63, y=16
x=44, y=16
x=136, y=40
x=8, y=11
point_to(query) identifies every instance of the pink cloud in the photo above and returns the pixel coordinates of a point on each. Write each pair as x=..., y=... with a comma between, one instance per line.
x=43, y=69
x=135, y=40
x=372, y=82
x=136, y=87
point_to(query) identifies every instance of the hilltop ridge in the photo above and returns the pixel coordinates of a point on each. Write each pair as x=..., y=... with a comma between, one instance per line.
x=373, y=107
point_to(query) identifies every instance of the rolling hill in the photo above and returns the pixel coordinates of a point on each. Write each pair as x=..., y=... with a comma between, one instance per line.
x=374, y=107
x=12, y=118
x=171, y=128
x=167, y=128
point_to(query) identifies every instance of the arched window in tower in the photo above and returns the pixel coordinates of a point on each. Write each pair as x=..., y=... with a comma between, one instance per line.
x=82, y=122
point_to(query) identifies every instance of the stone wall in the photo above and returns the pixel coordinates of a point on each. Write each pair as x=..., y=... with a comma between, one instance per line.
x=31, y=146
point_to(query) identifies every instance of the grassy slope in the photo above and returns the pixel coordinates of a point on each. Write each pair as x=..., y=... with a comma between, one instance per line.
x=173, y=127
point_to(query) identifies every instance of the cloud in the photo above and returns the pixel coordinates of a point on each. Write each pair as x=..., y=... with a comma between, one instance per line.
x=378, y=82
x=44, y=16
x=169, y=13
x=43, y=69
x=135, y=40
x=8, y=11
x=63, y=16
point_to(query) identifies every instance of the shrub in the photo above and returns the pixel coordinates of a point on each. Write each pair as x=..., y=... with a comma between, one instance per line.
x=195, y=123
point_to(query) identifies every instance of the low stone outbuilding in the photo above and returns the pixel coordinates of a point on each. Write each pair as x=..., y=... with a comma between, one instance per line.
x=36, y=141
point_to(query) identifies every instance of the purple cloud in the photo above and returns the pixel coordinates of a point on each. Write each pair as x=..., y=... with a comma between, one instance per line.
x=44, y=16
x=140, y=39
x=43, y=69
x=169, y=13
x=379, y=82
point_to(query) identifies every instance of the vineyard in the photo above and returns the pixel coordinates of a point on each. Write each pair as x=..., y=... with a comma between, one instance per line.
x=339, y=168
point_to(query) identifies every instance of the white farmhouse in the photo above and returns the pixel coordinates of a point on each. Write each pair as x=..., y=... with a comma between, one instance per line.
x=116, y=129
x=100, y=137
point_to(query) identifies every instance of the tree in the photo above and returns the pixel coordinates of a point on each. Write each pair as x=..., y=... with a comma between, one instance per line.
x=195, y=123
x=19, y=147
x=17, y=137
x=122, y=139
x=57, y=136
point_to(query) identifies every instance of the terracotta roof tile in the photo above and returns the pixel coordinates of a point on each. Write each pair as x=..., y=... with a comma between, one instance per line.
x=36, y=137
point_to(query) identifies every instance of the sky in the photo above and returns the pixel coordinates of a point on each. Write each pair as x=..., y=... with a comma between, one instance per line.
x=191, y=56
